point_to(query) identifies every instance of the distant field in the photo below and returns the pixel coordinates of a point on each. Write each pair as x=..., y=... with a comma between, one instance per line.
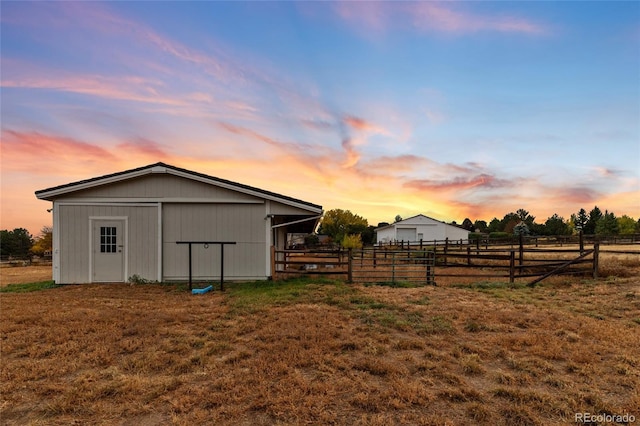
x=323, y=352
x=24, y=274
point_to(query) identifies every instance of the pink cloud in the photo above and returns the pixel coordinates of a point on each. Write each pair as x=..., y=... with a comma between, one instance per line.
x=141, y=148
x=429, y=16
x=576, y=195
x=457, y=183
x=360, y=124
x=41, y=153
x=126, y=88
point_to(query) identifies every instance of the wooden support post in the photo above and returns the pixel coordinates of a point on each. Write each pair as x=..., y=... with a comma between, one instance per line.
x=596, y=261
x=446, y=249
x=375, y=261
x=393, y=267
x=349, y=266
x=521, y=251
x=512, y=266
x=581, y=242
x=273, y=262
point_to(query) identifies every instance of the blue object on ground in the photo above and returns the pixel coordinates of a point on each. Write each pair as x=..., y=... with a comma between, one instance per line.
x=201, y=290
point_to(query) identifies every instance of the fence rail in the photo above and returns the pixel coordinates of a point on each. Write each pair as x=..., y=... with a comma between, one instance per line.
x=426, y=265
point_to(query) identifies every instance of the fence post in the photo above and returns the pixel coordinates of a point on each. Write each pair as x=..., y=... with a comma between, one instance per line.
x=581, y=242
x=596, y=255
x=273, y=262
x=512, y=265
x=468, y=255
x=375, y=262
x=420, y=243
x=393, y=267
x=521, y=252
x=446, y=249
x=349, y=267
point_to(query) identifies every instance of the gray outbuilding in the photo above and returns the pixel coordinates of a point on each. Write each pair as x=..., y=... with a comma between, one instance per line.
x=114, y=227
x=420, y=228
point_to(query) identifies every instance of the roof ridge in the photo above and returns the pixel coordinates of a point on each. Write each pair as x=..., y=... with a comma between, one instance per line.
x=182, y=170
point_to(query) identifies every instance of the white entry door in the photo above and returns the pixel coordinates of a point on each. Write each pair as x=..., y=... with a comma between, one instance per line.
x=108, y=251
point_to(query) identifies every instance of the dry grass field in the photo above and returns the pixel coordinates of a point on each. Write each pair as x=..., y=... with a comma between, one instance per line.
x=323, y=352
x=19, y=274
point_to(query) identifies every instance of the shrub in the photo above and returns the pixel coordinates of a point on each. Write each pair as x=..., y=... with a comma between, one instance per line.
x=499, y=235
x=353, y=241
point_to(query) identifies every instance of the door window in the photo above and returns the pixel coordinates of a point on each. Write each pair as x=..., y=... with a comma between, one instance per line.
x=108, y=239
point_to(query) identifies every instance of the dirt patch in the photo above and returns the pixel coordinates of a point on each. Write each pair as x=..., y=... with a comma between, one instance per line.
x=24, y=274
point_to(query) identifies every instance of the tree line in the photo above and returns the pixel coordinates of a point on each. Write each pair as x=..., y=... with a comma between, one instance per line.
x=20, y=244
x=595, y=222
x=352, y=230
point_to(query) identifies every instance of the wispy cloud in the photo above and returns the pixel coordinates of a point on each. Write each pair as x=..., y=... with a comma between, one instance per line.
x=123, y=88
x=430, y=16
x=41, y=153
x=458, y=183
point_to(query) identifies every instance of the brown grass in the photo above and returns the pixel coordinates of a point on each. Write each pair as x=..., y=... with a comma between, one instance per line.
x=321, y=353
x=24, y=274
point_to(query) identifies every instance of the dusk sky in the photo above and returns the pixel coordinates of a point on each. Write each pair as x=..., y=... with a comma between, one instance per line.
x=449, y=109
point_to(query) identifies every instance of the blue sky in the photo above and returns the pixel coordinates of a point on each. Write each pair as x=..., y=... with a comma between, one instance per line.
x=450, y=109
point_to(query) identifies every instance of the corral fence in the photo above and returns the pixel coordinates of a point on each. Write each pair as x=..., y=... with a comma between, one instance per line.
x=366, y=265
x=422, y=264
x=485, y=241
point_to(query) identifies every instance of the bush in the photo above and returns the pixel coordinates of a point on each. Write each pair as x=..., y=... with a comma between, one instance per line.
x=353, y=241
x=499, y=235
x=311, y=240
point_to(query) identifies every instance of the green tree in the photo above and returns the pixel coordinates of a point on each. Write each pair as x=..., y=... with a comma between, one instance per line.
x=525, y=217
x=556, y=225
x=494, y=225
x=626, y=225
x=580, y=220
x=521, y=229
x=607, y=225
x=337, y=223
x=369, y=236
x=398, y=218
x=481, y=225
x=44, y=241
x=508, y=222
x=594, y=216
x=468, y=225
x=16, y=243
